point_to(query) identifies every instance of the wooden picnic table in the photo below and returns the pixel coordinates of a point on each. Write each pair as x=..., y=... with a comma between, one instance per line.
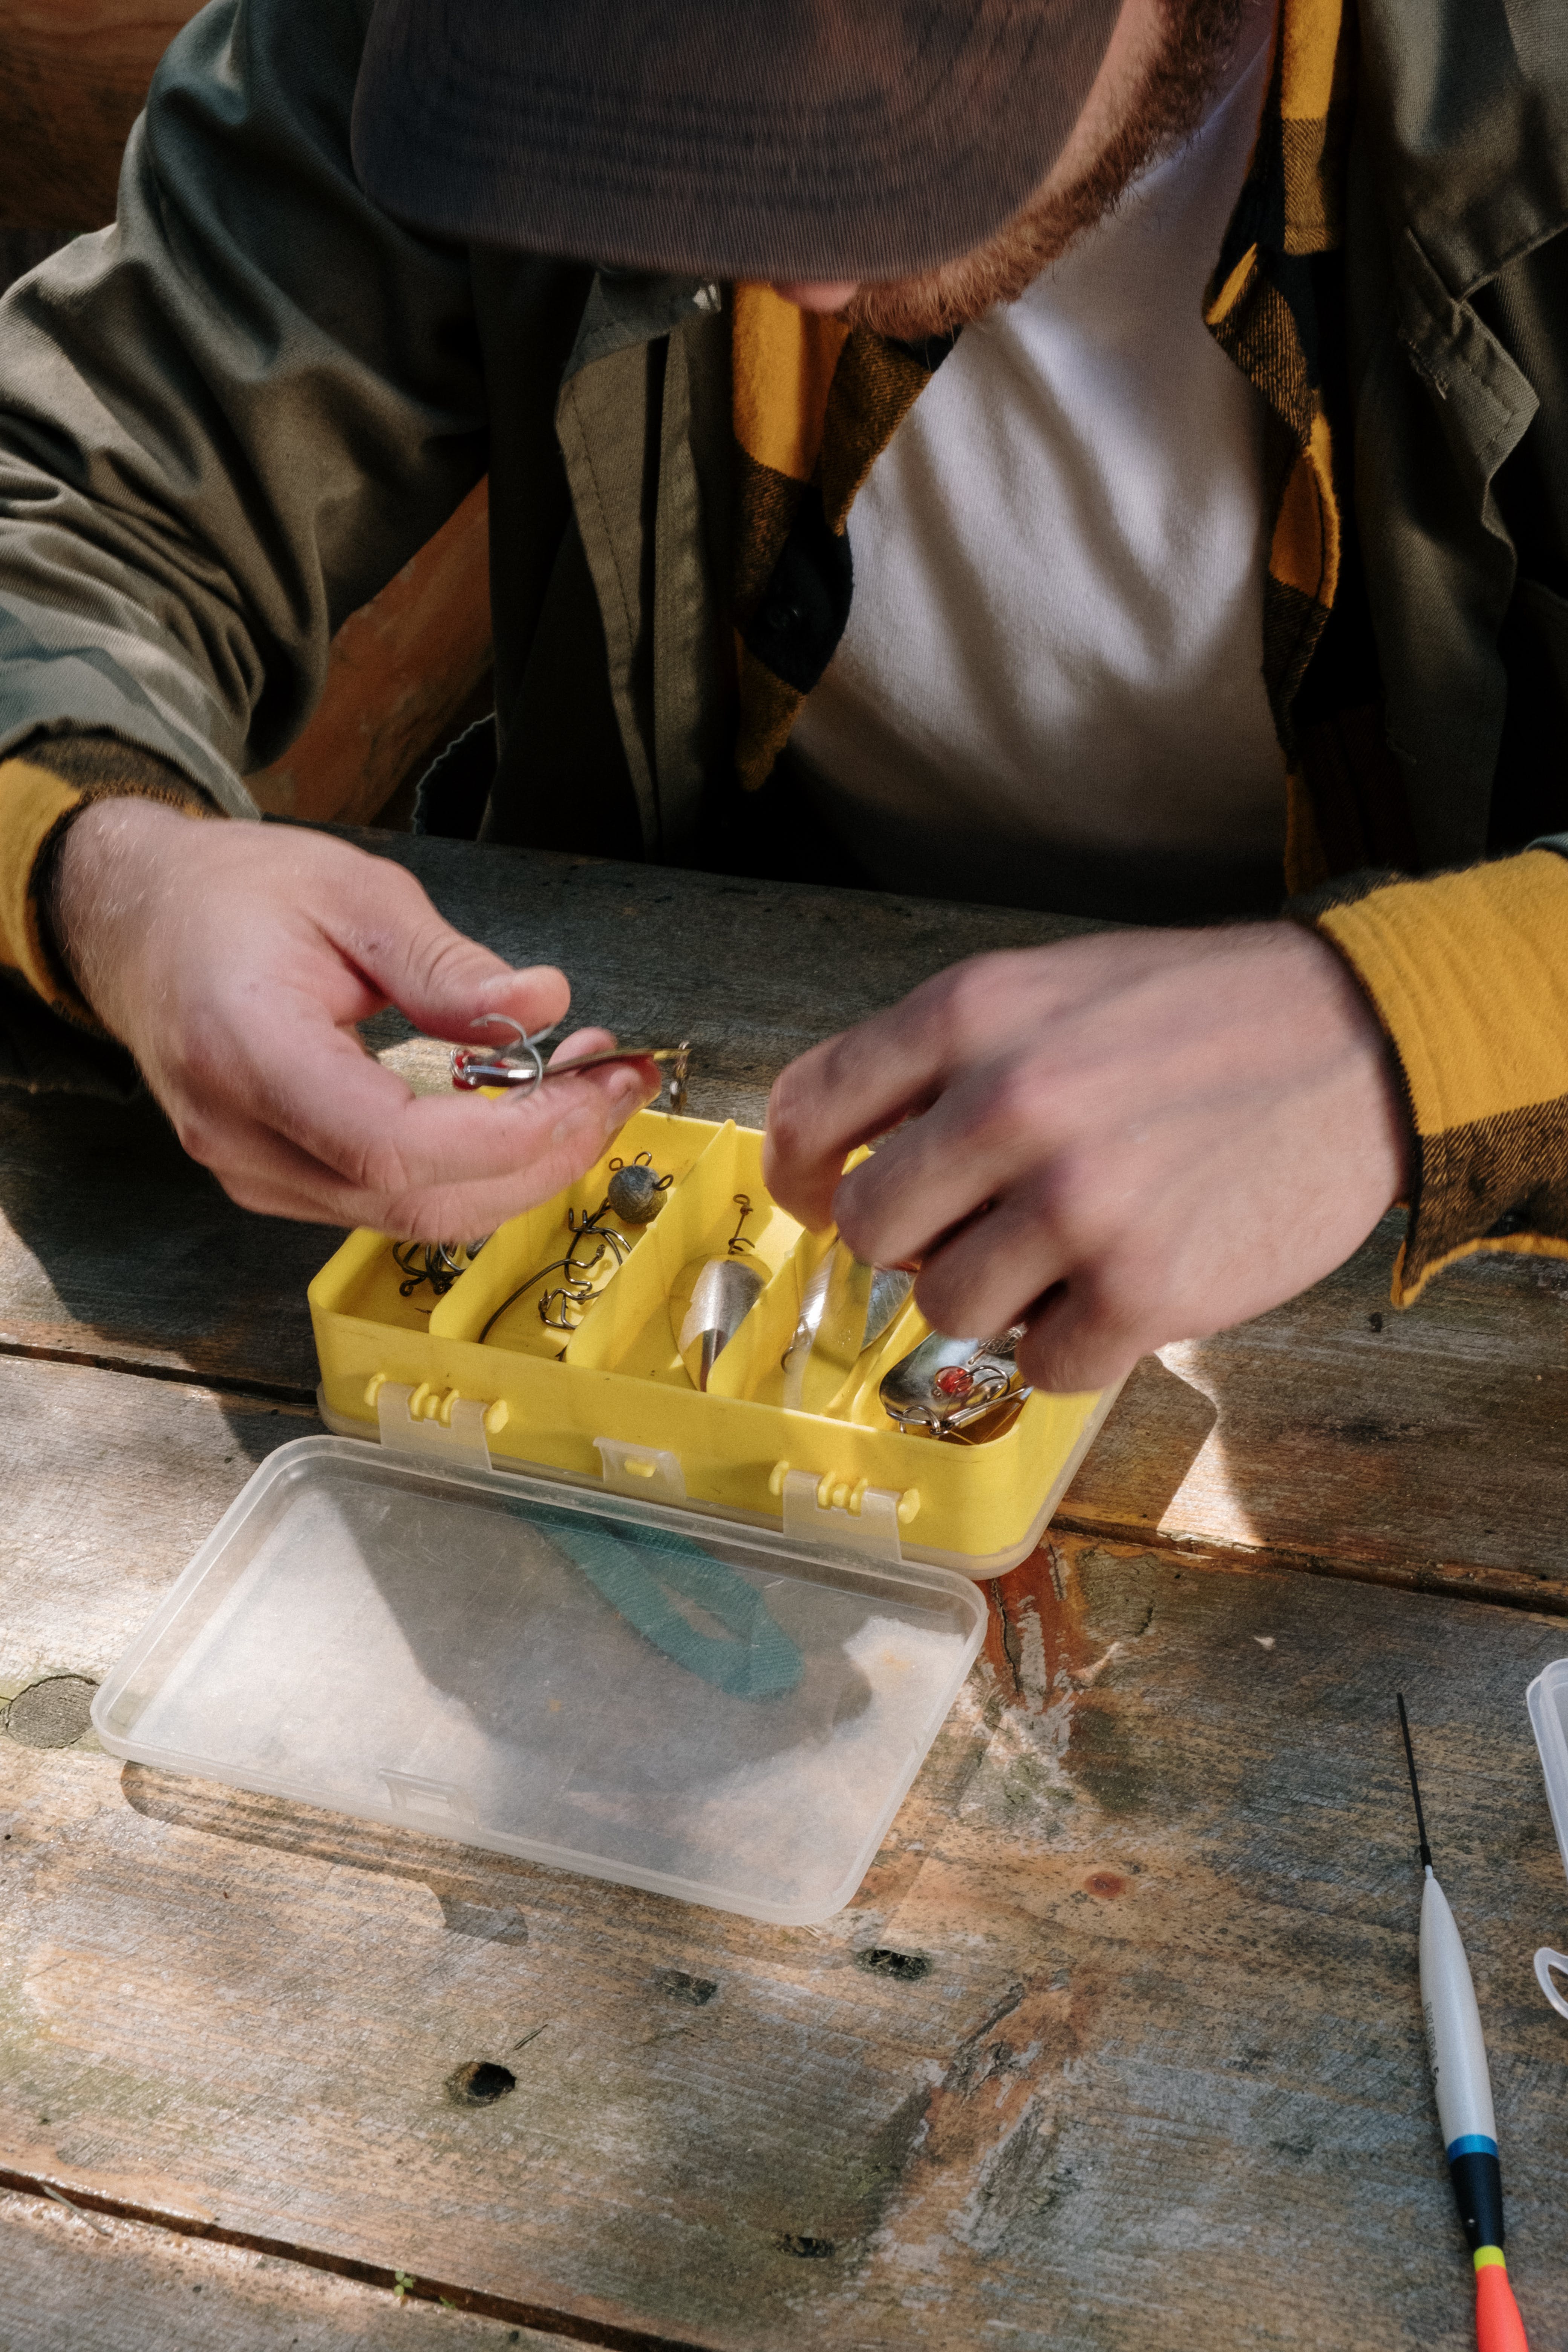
x=1119, y=2044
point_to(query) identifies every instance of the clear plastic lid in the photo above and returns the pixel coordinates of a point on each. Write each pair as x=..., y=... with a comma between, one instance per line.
x=599, y=1683
x=1547, y=1699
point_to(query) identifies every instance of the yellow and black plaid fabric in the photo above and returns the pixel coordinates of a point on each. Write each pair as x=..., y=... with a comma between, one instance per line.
x=1469, y=973
x=1264, y=312
x=815, y=404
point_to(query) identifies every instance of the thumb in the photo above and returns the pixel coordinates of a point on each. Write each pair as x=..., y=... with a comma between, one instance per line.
x=1075, y=1343
x=440, y=979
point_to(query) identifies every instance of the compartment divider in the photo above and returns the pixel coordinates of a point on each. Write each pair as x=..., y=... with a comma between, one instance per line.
x=632, y=1327
x=540, y=1235
x=752, y=1366
x=857, y=1400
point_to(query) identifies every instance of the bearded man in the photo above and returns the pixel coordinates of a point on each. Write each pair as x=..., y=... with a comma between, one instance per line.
x=1109, y=456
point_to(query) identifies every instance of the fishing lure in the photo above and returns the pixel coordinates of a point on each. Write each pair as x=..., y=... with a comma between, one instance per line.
x=521, y=1066
x=944, y=1386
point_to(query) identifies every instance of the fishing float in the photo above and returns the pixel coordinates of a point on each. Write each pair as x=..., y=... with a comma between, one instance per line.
x=1464, y=2090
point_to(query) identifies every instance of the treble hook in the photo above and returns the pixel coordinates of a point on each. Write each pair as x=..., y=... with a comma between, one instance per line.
x=520, y=1064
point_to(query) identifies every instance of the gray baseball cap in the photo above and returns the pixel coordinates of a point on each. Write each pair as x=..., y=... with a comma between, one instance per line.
x=730, y=139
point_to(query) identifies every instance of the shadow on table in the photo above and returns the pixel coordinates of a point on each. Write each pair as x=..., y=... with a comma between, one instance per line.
x=1340, y=1426
x=1137, y=1466
x=120, y=1246
x=480, y=1893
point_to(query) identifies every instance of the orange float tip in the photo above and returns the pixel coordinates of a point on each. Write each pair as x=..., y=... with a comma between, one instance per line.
x=1498, y=2328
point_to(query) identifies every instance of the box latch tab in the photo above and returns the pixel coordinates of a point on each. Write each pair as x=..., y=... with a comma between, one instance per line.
x=651, y=1471
x=459, y=1438
x=870, y=1532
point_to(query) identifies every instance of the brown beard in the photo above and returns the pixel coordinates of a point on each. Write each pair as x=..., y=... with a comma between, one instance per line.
x=1201, y=38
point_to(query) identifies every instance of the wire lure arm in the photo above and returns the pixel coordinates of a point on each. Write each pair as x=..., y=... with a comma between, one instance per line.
x=521, y=1065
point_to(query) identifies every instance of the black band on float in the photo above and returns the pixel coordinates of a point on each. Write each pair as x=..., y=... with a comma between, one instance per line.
x=1477, y=2193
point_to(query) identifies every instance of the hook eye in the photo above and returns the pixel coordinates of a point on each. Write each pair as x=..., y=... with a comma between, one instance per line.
x=500, y=1021
x=505, y=1021
x=523, y=1052
x=1546, y=1960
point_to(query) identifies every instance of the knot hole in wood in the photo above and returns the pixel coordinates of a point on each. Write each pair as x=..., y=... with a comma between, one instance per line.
x=879, y=1961
x=480, y=2084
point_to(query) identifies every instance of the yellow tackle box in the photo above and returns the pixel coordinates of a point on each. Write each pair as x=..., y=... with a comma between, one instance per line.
x=610, y=1405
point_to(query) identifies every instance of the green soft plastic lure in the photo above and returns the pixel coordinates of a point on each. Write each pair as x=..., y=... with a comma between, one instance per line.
x=636, y=1569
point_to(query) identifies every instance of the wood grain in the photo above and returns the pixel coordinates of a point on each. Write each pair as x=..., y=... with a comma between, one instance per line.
x=107, y=1486
x=752, y=971
x=1427, y=1448
x=92, y=2284
x=1147, y=2070
x=114, y=1247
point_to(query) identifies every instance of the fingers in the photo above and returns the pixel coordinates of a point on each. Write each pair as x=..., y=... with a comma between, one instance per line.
x=1076, y=1341
x=366, y=1151
x=580, y=1043
x=985, y=1135
x=859, y=1085
x=988, y=1274
x=265, y=1170
x=385, y=924
x=236, y=962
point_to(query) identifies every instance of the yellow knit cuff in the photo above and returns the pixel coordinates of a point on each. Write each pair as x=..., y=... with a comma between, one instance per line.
x=33, y=805
x=1470, y=975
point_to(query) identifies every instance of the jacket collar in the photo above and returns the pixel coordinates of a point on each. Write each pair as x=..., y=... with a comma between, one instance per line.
x=626, y=306
x=1464, y=108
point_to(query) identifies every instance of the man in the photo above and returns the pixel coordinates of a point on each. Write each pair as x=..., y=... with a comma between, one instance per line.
x=776, y=589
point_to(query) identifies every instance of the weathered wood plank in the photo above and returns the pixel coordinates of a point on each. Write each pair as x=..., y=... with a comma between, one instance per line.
x=1149, y=2069
x=1427, y=1447
x=752, y=971
x=108, y=1486
x=114, y=1247
x=93, y=2284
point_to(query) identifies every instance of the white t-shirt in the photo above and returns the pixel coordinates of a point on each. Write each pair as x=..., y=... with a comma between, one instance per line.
x=1050, y=689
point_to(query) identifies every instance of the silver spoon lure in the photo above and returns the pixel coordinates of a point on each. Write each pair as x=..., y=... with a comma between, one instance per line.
x=944, y=1386
x=725, y=1294
x=847, y=1306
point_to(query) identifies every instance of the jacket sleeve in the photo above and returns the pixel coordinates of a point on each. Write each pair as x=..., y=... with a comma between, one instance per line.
x=1468, y=973
x=224, y=423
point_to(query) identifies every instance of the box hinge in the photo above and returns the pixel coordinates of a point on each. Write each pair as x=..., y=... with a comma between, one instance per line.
x=456, y=1435
x=649, y=1471
x=865, y=1524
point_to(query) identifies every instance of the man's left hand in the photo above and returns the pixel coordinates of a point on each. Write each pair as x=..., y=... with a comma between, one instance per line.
x=1120, y=1140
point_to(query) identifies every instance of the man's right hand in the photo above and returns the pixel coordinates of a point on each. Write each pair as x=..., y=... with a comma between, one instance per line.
x=233, y=960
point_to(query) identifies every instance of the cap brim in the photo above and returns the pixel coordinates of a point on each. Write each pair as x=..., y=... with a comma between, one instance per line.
x=730, y=138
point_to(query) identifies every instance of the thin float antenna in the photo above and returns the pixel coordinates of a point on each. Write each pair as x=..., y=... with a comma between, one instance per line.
x=1465, y=2112
x=1415, y=1784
